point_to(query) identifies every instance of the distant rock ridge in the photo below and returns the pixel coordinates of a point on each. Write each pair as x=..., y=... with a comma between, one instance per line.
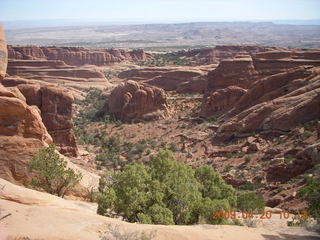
x=179, y=79
x=76, y=56
x=214, y=55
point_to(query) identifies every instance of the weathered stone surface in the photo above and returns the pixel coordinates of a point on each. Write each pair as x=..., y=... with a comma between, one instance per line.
x=55, y=105
x=21, y=134
x=270, y=108
x=179, y=79
x=311, y=154
x=75, y=55
x=214, y=55
x=232, y=72
x=56, y=112
x=273, y=79
x=132, y=101
x=221, y=100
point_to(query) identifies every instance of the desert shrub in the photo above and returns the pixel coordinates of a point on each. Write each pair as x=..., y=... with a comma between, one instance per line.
x=251, y=186
x=51, y=172
x=91, y=110
x=311, y=193
x=227, y=168
x=166, y=192
x=247, y=159
x=173, y=147
x=213, y=186
x=117, y=232
x=250, y=202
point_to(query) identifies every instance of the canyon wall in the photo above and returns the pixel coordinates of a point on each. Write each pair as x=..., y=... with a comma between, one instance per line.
x=76, y=56
x=265, y=91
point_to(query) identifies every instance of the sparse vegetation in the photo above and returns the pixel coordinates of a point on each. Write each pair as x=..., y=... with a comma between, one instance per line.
x=51, y=172
x=164, y=60
x=114, y=232
x=311, y=193
x=247, y=159
x=91, y=110
x=251, y=186
x=227, y=168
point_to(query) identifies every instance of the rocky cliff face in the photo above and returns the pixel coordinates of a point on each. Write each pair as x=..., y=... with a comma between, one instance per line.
x=76, y=56
x=55, y=105
x=279, y=102
x=21, y=129
x=273, y=81
x=131, y=101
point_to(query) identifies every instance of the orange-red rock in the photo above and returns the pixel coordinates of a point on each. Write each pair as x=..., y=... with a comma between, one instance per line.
x=180, y=79
x=76, y=55
x=280, y=107
x=131, y=101
x=221, y=100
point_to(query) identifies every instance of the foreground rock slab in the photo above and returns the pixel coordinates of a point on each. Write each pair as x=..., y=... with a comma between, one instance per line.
x=36, y=215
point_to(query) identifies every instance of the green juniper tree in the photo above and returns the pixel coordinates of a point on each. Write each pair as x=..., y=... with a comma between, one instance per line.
x=50, y=172
x=166, y=192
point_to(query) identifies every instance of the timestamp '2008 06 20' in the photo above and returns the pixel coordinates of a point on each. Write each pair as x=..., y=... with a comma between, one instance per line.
x=263, y=214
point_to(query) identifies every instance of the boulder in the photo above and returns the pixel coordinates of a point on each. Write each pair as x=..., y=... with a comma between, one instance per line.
x=131, y=101
x=56, y=112
x=311, y=154
x=221, y=100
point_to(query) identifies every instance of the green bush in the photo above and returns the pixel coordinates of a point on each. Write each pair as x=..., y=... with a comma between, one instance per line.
x=166, y=192
x=311, y=193
x=51, y=172
x=250, y=202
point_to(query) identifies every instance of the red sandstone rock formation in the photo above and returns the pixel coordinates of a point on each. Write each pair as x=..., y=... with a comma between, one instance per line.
x=182, y=80
x=282, y=91
x=75, y=55
x=214, y=55
x=221, y=100
x=131, y=101
x=279, y=102
x=56, y=111
x=21, y=129
x=236, y=72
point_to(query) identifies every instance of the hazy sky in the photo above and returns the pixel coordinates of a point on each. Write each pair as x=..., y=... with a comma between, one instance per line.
x=159, y=10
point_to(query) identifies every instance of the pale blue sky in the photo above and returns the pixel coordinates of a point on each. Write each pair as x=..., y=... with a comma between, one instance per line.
x=159, y=10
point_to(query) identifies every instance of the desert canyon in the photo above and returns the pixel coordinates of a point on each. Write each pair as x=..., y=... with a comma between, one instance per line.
x=251, y=112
